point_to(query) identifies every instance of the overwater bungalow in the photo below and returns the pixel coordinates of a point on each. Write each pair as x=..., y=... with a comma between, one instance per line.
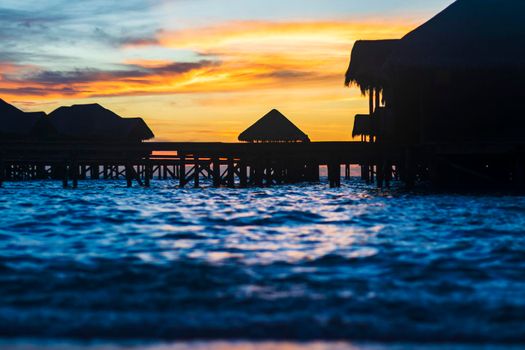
x=93, y=122
x=452, y=91
x=18, y=125
x=456, y=78
x=273, y=127
x=366, y=72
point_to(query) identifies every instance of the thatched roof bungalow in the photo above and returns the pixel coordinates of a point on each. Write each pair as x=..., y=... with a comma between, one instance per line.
x=366, y=63
x=96, y=123
x=273, y=127
x=362, y=125
x=16, y=124
x=458, y=77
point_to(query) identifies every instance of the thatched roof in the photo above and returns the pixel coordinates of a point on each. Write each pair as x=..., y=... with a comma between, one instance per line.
x=470, y=34
x=362, y=125
x=273, y=127
x=16, y=123
x=94, y=122
x=366, y=63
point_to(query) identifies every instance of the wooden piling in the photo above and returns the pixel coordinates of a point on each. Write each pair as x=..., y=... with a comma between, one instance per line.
x=216, y=172
x=196, y=174
x=65, y=176
x=74, y=173
x=147, y=174
x=230, y=177
x=243, y=178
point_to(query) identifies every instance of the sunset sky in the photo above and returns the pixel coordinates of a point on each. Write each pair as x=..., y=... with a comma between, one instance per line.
x=197, y=70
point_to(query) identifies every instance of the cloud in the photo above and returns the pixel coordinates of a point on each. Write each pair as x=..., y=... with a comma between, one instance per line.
x=235, y=56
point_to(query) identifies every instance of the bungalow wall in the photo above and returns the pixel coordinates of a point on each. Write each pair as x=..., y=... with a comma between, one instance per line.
x=440, y=106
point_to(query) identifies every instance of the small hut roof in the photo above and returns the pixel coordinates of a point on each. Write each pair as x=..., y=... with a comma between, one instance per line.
x=93, y=121
x=470, y=34
x=14, y=122
x=273, y=127
x=366, y=63
x=362, y=125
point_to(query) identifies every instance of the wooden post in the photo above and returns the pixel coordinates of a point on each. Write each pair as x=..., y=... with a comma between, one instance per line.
x=216, y=173
x=196, y=174
x=230, y=180
x=74, y=173
x=334, y=174
x=147, y=173
x=129, y=174
x=380, y=173
x=243, y=178
x=65, y=176
x=268, y=174
x=182, y=172
x=95, y=171
x=347, y=171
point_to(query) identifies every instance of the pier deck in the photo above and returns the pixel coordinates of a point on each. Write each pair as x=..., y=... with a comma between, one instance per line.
x=227, y=164
x=264, y=164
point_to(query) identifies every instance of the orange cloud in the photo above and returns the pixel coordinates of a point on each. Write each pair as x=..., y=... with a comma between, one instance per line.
x=246, y=55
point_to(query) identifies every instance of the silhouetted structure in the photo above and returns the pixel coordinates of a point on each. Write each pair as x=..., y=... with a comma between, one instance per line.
x=455, y=80
x=362, y=126
x=95, y=123
x=18, y=125
x=273, y=127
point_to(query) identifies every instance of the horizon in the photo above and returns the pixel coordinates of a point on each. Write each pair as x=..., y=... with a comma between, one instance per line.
x=195, y=71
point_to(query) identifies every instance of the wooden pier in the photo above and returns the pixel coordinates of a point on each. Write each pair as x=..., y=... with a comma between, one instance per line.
x=225, y=164
x=241, y=165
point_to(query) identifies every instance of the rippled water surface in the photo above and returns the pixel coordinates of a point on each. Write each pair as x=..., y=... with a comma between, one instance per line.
x=299, y=263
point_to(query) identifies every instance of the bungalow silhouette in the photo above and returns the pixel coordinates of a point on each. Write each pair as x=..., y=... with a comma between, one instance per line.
x=273, y=127
x=91, y=122
x=457, y=78
x=18, y=125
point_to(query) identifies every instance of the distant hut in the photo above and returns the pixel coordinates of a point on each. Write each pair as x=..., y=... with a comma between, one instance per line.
x=273, y=127
x=96, y=123
x=366, y=71
x=16, y=124
x=362, y=126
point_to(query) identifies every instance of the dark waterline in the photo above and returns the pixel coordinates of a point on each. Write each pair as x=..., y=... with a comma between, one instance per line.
x=293, y=263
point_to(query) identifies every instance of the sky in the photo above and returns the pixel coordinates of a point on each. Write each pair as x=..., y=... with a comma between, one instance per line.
x=198, y=70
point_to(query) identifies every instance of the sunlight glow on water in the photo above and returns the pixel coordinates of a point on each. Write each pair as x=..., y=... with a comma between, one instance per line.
x=301, y=262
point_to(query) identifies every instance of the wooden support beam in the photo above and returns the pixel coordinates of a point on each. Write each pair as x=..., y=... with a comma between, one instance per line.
x=129, y=174
x=147, y=173
x=65, y=175
x=243, y=176
x=74, y=173
x=196, y=174
x=182, y=172
x=230, y=179
x=216, y=173
x=334, y=174
x=380, y=174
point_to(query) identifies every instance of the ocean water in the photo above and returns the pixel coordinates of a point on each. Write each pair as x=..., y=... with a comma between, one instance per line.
x=296, y=263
